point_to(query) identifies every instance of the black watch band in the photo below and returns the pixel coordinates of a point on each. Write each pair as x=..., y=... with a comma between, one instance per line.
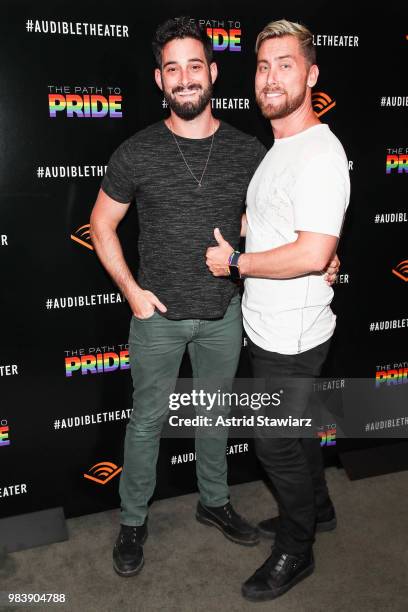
x=233, y=265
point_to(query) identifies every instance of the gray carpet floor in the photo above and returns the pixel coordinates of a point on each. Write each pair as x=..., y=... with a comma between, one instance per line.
x=360, y=567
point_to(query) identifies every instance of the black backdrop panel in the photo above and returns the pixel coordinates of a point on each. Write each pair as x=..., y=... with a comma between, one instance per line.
x=61, y=315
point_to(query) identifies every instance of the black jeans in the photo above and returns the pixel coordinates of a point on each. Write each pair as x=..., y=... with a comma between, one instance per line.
x=294, y=466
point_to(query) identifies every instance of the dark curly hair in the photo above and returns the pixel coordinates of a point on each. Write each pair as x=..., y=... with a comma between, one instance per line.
x=180, y=27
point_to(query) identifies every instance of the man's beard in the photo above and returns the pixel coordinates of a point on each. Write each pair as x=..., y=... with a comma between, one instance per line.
x=286, y=108
x=189, y=110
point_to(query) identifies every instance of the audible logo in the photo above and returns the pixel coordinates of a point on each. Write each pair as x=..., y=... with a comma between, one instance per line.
x=322, y=103
x=83, y=236
x=401, y=270
x=103, y=472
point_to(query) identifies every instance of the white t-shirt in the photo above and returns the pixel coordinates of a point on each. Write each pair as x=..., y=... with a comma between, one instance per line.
x=301, y=184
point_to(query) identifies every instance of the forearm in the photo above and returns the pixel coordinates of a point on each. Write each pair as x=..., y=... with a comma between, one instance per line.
x=108, y=248
x=287, y=261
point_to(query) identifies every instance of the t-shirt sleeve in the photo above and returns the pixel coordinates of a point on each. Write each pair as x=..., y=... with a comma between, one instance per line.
x=118, y=181
x=321, y=195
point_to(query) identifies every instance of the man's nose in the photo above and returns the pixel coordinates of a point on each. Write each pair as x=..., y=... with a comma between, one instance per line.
x=184, y=77
x=271, y=77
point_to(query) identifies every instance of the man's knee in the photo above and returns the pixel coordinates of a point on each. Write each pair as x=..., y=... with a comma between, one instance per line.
x=149, y=424
x=275, y=448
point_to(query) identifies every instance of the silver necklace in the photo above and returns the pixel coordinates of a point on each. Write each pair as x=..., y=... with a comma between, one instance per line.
x=185, y=161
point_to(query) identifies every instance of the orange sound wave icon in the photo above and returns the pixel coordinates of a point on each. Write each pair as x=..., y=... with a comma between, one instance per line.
x=322, y=103
x=401, y=270
x=83, y=236
x=102, y=472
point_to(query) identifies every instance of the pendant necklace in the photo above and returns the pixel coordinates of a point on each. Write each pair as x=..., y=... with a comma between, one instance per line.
x=198, y=181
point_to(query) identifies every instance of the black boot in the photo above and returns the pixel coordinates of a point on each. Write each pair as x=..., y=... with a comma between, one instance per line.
x=278, y=574
x=326, y=521
x=233, y=526
x=128, y=551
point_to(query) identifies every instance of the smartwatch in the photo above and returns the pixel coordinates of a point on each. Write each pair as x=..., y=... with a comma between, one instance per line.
x=233, y=265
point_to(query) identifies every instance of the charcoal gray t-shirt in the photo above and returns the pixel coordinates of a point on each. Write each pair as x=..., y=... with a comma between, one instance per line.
x=177, y=217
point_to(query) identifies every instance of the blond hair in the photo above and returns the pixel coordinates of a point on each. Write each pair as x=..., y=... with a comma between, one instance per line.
x=275, y=29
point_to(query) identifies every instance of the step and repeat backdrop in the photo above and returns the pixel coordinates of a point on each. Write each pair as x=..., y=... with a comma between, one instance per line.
x=76, y=82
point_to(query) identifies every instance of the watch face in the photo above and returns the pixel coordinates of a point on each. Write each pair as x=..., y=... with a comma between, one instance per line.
x=234, y=271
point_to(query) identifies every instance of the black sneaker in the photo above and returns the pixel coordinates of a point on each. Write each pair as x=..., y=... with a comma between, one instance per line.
x=128, y=551
x=277, y=575
x=233, y=526
x=326, y=521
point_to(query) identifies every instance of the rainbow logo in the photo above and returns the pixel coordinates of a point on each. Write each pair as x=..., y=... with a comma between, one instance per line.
x=395, y=376
x=223, y=39
x=102, y=472
x=401, y=270
x=98, y=363
x=396, y=162
x=4, y=435
x=327, y=437
x=86, y=106
x=321, y=103
x=83, y=236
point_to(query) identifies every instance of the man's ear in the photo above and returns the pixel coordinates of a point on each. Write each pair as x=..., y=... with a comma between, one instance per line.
x=313, y=75
x=158, y=78
x=213, y=72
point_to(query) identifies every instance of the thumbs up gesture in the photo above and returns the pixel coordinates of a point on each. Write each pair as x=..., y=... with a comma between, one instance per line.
x=217, y=257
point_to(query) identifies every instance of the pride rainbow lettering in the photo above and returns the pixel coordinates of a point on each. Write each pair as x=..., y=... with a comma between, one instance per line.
x=223, y=40
x=391, y=377
x=398, y=163
x=85, y=106
x=98, y=363
x=4, y=441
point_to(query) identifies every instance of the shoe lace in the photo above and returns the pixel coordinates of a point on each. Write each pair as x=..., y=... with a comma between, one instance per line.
x=281, y=562
x=229, y=511
x=276, y=565
x=129, y=534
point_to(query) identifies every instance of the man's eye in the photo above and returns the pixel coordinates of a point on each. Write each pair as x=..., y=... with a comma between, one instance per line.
x=285, y=66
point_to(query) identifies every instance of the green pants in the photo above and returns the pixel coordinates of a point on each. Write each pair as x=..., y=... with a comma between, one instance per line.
x=156, y=347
